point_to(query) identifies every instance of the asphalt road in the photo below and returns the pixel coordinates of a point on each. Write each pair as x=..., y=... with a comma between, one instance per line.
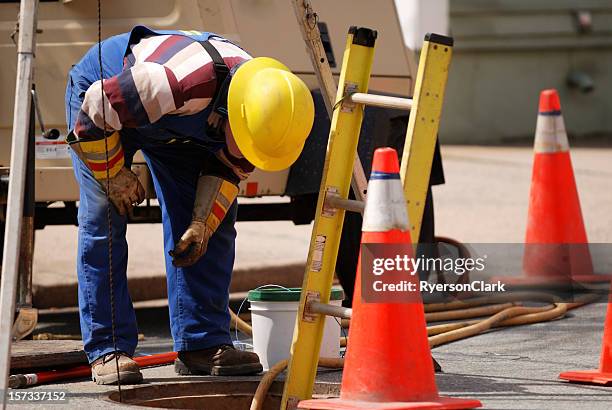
x=484, y=200
x=510, y=368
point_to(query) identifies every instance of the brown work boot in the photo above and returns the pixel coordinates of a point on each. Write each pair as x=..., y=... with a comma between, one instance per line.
x=104, y=369
x=221, y=360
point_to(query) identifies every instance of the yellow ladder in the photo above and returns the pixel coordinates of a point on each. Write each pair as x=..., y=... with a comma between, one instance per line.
x=423, y=125
x=426, y=108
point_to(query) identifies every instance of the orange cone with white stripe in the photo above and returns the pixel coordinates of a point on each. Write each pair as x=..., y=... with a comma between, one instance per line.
x=388, y=361
x=603, y=375
x=556, y=245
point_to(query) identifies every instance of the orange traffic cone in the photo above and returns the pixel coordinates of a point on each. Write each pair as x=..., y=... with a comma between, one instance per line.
x=603, y=375
x=388, y=362
x=556, y=245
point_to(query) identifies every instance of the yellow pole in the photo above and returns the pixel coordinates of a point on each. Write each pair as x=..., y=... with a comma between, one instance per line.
x=325, y=240
x=423, y=125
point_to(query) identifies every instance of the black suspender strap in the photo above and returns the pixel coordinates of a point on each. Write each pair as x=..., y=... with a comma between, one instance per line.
x=221, y=69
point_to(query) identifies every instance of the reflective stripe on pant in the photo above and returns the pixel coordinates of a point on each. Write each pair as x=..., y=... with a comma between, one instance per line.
x=197, y=295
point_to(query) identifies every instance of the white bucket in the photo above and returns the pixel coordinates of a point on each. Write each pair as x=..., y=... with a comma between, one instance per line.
x=273, y=322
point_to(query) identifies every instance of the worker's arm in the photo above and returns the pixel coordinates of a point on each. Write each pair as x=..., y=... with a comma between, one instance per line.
x=133, y=98
x=214, y=197
x=141, y=96
x=216, y=191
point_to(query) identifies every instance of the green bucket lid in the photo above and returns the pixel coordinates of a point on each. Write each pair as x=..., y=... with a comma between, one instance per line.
x=286, y=295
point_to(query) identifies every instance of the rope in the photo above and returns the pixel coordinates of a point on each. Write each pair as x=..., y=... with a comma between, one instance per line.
x=108, y=205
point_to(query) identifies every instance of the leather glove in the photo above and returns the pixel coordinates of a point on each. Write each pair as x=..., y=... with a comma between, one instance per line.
x=192, y=246
x=125, y=190
x=214, y=196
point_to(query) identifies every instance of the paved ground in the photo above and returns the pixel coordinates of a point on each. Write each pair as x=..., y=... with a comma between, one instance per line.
x=484, y=200
x=487, y=188
x=517, y=368
x=507, y=369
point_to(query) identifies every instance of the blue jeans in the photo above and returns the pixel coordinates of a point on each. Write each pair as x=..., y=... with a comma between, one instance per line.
x=198, y=295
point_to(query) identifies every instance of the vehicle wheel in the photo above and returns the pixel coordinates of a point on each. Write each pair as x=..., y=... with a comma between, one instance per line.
x=303, y=208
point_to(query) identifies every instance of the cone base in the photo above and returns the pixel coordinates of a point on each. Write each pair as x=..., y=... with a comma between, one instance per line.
x=588, y=376
x=550, y=280
x=439, y=402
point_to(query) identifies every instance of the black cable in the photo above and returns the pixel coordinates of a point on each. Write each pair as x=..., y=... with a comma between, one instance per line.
x=108, y=205
x=343, y=332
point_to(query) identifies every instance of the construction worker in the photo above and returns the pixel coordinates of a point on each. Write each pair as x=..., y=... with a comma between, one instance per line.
x=204, y=113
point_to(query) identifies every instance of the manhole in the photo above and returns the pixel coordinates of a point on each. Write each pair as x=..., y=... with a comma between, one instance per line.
x=215, y=394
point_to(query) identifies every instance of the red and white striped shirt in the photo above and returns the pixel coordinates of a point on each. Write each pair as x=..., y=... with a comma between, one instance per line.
x=165, y=74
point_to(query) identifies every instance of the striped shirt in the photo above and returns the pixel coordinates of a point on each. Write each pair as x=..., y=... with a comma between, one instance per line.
x=165, y=74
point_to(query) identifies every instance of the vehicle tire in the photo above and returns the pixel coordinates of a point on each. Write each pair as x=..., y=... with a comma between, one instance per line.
x=303, y=208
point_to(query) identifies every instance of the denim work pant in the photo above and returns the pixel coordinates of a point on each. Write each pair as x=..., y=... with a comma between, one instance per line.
x=197, y=295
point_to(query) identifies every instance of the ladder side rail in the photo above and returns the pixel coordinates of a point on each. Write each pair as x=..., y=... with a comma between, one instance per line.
x=423, y=125
x=327, y=230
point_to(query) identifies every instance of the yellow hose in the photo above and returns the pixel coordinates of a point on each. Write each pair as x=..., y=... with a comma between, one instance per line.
x=268, y=378
x=447, y=327
x=491, y=299
x=264, y=385
x=490, y=322
x=466, y=313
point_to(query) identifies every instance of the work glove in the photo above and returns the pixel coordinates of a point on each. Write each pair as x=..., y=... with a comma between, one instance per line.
x=214, y=196
x=192, y=246
x=125, y=190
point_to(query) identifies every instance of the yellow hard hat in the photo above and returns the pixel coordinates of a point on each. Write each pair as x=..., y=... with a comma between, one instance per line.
x=270, y=113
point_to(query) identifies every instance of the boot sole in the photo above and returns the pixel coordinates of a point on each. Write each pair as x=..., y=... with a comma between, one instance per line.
x=125, y=377
x=234, y=370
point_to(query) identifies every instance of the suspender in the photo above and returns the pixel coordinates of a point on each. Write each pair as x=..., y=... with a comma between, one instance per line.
x=140, y=32
x=221, y=69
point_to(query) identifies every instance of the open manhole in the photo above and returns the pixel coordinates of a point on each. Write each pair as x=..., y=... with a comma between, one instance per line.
x=214, y=394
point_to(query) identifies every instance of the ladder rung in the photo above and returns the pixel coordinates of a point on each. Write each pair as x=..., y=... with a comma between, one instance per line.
x=330, y=310
x=382, y=101
x=351, y=205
